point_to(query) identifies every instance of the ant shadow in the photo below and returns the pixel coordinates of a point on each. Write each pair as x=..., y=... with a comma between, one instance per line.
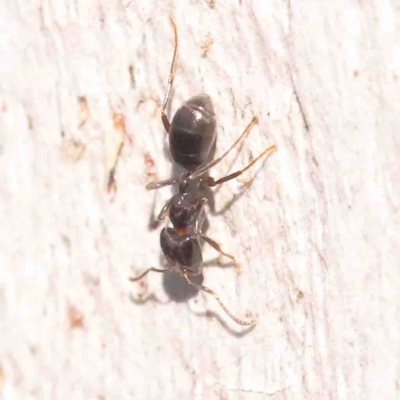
x=179, y=291
x=176, y=288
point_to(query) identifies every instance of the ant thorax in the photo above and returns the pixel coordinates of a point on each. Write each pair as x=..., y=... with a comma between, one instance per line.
x=186, y=205
x=183, y=211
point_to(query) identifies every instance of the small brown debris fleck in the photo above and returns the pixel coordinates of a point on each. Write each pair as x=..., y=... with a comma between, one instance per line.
x=132, y=76
x=152, y=176
x=76, y=318
x=119, y=126
x=112, y=183
x=30, y=122
x=72, y=149
x=119, y=122
x=154, y=223
x=150, y=167
x=84, y=112
x=299, y=295
x=210, y=3
x=149, y=161
x=144, y=289
x=207, y=45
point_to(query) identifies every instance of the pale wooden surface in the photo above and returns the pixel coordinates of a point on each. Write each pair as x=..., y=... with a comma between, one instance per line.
x=317, y=233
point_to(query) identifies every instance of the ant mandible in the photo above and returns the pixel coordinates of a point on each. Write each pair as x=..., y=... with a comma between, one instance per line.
x=191, y=140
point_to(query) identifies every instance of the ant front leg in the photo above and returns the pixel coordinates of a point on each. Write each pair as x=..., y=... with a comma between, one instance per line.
x=160, y=184
x=164, y=117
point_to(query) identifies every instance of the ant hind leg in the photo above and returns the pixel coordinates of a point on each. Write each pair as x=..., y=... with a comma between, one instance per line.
x=143, y=274
x=245, y=322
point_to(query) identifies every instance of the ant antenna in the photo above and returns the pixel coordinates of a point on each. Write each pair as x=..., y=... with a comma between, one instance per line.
x=209, y=291
x=164, y=117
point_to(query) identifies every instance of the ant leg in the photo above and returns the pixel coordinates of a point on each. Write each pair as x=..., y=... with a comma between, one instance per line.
x=202, y=170
x=164, y=117
x=209, y=291
x=160, y=184
x=217, y=247
x=143, y=274
x=211, y=182
x=164, y=210
x=199, y=219
x=200, y=215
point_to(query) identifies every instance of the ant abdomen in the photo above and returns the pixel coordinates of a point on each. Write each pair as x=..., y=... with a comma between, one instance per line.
x=192, y=132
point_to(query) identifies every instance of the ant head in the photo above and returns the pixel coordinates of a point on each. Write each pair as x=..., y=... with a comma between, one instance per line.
x=182, y=251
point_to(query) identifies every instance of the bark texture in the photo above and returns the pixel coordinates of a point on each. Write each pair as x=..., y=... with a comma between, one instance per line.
x=317, y=232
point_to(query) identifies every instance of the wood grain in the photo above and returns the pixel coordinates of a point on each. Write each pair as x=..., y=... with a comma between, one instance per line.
x=317, y=233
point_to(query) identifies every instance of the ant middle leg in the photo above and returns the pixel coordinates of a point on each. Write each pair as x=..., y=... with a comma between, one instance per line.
x=200, y=216
x=164, y=117
x=215, y=245
x=212, y=182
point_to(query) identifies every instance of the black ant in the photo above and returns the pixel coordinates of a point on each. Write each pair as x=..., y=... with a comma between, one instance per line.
x=191, y=140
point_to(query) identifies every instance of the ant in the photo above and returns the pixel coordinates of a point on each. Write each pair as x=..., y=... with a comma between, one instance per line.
x=191, y=140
